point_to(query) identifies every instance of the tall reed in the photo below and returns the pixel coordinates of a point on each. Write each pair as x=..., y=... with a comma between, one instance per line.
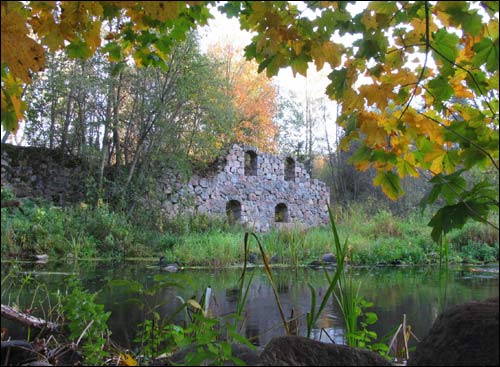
x=340, y=251
x=270, y=276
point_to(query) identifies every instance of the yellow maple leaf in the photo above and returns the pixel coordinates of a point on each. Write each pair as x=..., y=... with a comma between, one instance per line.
x=378, y=94
x=368, y=124
x=394, y=58
x=326, y=4
x=389, y=122
x=432, y=129
x=419, y=27
x=72, y=19
x=399, y=143
x=127, y=360
x=467, y=52
x=351, y=101
x=297, y=46
x=93, y=36
x=333, y=53
x=407, y=166
x=434, y=154
x=21, y=53
x=16, y=102
x=437, y=165
x=369, y=20
x=362, y=166
x=442, y=16
x=161, y=10
x=326, y=52
x=401, y=77
x=461, y=91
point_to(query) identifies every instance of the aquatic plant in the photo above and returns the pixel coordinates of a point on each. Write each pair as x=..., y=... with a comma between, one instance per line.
x=352, y=305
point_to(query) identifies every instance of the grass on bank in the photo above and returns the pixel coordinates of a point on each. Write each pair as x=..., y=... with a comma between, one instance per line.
x=83, y=231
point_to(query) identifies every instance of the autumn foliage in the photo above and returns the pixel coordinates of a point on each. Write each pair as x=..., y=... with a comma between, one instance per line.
x=253, y=96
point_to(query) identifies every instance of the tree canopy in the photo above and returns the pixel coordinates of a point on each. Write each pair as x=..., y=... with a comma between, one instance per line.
x=417, y=82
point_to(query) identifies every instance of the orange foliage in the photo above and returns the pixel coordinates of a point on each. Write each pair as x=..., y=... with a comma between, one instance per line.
x=253, y=96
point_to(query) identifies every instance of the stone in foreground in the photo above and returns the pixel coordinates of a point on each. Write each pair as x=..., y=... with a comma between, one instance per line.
x=300, y=351
x=464, y=335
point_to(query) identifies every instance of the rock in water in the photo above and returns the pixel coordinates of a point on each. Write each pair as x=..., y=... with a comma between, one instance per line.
x=464, y=335
x=329, y=258
x=300, y=351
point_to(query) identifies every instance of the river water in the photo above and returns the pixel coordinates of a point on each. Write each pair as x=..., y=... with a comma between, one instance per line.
x=418, y=292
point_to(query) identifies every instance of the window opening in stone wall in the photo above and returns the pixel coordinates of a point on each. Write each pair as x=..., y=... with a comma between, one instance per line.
x=289, y=169
x=233, y=211
x=281, y=213
x=250, y=163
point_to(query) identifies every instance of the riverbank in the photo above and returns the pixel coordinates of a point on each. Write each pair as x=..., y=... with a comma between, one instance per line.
x=85, y=232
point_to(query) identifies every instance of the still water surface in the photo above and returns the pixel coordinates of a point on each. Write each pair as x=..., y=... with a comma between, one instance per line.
x=418, y=292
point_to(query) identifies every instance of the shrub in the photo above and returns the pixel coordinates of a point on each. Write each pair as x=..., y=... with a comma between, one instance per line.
x=481, y=252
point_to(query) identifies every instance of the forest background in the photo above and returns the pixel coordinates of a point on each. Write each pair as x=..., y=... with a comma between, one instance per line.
x=173, y=106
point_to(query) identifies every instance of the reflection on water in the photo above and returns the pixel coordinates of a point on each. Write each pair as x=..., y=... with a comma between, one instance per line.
x=417, y=292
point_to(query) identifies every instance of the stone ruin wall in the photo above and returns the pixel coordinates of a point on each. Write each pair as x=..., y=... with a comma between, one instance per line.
x=262, y=199
x=39, y=172
x=250, y=199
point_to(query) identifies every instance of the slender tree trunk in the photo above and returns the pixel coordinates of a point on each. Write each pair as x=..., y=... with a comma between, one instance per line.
x=330, y=157
x=64, y=135
x=116, y=112
x=81, y=101
x=67, y=117
x=105, y=139
x=5, y=137
x=52, y=121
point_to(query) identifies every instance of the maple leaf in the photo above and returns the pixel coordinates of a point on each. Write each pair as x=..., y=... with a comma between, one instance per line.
x=369, y=20
x=400, y=143
x=93, y=37
x=21, y=53
x=378, y=94
x=161, y=10
x=390, y=184
x=369, y=125
x=407, y=166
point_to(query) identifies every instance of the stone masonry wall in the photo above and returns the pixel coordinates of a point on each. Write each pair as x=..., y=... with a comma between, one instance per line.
x=260, y=196
x=261, y=200
x=38, y=172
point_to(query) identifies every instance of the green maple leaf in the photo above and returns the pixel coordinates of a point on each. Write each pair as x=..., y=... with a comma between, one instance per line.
x=390, y=184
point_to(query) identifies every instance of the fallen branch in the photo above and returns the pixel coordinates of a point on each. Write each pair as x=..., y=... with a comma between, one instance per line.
x=28, y=320
x=13, y=203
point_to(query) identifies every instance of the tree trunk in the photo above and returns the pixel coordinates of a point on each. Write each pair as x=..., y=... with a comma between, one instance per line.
x=67, y=122
x=116, y=133
x=105, y=139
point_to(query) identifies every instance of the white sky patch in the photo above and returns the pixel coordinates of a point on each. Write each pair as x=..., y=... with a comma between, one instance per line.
x=222, y=29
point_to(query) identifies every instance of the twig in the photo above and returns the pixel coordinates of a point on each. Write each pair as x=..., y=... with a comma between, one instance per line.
x=394, y=338
x=470, y=74
x=421, y=76
x=469, y=207
x=478, y=147
x=328, y=335
x=83, y=332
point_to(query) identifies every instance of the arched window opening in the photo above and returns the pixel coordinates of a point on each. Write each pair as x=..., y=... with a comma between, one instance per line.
x=233, y=211
x=289, y=169
x=281, y=213
x=250, y=163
